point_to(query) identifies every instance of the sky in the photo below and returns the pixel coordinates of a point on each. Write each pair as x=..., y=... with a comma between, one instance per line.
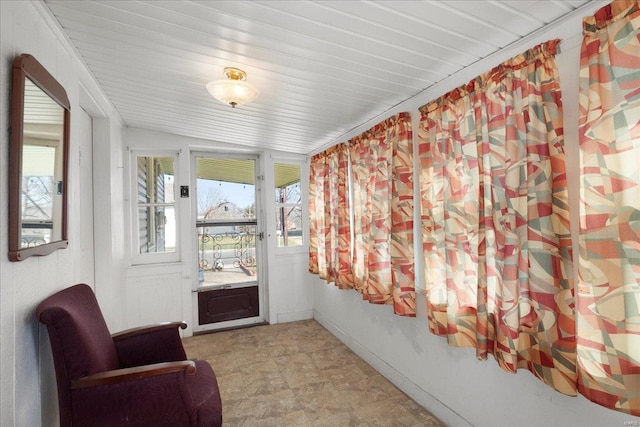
x=242, y=195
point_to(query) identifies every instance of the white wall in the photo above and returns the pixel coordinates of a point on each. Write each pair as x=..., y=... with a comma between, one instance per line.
x=450, y=381
x=151, y=291
x=27, y=380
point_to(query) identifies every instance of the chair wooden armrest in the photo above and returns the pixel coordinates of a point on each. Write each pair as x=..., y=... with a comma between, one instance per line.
x=142, y=330
x=138, y=372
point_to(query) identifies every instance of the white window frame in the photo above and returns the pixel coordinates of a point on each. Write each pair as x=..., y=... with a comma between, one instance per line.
x=138, y=258
x=303, y=204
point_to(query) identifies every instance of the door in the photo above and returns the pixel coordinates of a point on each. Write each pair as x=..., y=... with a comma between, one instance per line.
x=228, y=242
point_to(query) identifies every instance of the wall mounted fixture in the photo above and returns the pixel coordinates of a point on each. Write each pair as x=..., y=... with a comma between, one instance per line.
x=233, y=90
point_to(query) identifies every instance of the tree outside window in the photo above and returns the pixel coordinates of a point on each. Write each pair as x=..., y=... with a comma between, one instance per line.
x=288, y=197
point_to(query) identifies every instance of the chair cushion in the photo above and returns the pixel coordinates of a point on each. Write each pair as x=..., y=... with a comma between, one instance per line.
x=205, y=395
x=156, y=401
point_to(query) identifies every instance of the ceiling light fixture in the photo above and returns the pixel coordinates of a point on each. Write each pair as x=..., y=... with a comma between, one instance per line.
x=233, y=90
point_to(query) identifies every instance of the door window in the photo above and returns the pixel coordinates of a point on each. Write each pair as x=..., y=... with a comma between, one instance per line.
x=226, y=221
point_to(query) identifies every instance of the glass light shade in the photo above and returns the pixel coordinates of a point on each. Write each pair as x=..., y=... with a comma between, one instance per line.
x=232, y=92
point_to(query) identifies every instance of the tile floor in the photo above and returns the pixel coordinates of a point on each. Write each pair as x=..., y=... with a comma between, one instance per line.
x=298, y=374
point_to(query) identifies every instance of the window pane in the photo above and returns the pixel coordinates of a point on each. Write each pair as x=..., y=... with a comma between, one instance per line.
x=156, y=229
x=225, y=189
x=39, y=195
x=221, y=200
x=155, y=180
x=287, y=183
x=289, y=226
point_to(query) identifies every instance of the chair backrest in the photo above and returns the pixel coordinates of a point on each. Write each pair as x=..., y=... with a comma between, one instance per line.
x=76, y=325
x=80, y=340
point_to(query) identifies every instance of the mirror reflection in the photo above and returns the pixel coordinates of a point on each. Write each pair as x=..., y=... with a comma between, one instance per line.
x=38, y=161
x=42, y=167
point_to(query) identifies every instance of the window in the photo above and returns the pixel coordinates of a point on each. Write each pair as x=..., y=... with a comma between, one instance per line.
x=40, y=181
x=154, y=227
x=288, y=197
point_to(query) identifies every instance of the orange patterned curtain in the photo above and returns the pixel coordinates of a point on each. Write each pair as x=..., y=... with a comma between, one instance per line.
x=317, y=171
x=382, y=169
x=609, y=281
x=495, y=219
x=330, y=238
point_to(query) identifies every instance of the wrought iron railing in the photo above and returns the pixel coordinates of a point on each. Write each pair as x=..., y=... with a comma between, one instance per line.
x=35, y=232
x=226, y=246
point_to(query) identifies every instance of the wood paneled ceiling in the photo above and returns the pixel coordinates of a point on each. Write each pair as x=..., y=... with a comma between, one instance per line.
x=323, y=67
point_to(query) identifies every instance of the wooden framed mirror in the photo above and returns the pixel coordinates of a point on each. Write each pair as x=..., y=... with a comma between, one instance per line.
x=38, y=161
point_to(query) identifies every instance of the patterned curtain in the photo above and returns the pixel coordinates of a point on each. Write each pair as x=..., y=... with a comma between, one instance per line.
x=495, y=219
x=382, y=169
x=330, y=238
x=609, y=281
x=317, y=172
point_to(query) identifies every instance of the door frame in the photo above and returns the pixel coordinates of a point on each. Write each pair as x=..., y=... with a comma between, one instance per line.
x=99, y=218
x=261, y=246
x=84, y=159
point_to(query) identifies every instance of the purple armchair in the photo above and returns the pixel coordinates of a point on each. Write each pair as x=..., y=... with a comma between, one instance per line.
x=139, y=377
